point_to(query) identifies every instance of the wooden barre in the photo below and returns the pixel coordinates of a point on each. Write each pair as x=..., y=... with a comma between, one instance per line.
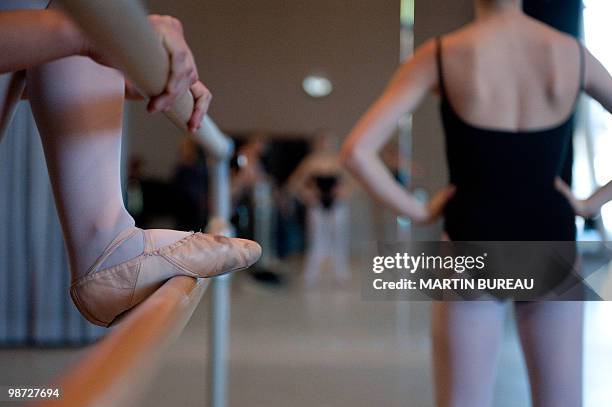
x=122, y=28
x=115, y=371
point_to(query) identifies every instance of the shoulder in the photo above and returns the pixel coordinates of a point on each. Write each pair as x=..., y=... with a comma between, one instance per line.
x=422, y=63
x=423, y=67
x=424, y=54
x=461, y=42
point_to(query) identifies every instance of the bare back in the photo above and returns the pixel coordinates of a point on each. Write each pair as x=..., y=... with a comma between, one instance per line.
x=511, y=72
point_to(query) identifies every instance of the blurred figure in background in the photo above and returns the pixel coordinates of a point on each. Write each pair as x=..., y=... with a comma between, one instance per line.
x=509, y=87
x=249, y=179
x=252, y=195
x=134, y=189
x=322, y=185
x=191, y=185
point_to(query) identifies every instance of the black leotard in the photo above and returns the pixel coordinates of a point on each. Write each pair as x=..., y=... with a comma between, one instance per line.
x=505, y=179
x=326, y=185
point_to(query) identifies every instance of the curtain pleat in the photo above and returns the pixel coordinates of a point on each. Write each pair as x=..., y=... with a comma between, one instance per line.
x=35, y=308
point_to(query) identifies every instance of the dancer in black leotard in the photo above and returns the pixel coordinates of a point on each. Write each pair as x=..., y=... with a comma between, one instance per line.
x=483, y=162
x=326, y=186
x=508, y=85
x=321, y=184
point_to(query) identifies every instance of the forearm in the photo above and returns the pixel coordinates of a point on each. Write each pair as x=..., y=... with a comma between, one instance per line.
x=298, y=179
x=32, y=37
x=308, y=196
x=295, y=187
x=343, y=192
x=377, y=180
x=599, y=198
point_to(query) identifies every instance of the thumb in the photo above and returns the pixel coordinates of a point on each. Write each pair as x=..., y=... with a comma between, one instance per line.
x=562, y=187
x=451, y=189
x=446, y=193
x=438, y=202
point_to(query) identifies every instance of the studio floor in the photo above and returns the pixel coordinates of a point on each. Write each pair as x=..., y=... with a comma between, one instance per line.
x=324, y=347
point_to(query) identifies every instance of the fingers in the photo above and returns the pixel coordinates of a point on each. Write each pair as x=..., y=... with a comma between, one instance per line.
x=431, y=211
x=447, y=192
x=562, y=187
x=437, y=204
x=443, y=196
x=182, y=75
x=566, y=191
x=183, y=71
x=580, y=207
x=202, y=98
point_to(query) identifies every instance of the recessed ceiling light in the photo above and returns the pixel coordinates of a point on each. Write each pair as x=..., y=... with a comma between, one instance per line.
x=317, y=86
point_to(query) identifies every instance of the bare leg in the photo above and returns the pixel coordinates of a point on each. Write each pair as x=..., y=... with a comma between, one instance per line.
x=466, y=342
x=340, y=244
x=551, y=336
x=318, y=245
x=78, y=107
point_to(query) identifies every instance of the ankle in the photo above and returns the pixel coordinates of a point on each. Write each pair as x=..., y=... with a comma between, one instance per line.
x=93, y=240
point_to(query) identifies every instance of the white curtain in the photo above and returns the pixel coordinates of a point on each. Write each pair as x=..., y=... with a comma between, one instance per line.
x=35, y=308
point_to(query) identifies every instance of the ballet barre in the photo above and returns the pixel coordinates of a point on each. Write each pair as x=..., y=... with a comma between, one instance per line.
x=122, y=28
x=114, y=371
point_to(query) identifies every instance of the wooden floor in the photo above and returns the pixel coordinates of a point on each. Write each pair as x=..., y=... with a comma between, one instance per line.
x=325, y=347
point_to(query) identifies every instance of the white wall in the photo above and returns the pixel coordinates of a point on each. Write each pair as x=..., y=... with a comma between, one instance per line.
x=254, y=54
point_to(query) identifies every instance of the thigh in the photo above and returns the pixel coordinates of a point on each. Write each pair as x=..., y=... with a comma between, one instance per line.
x=316, y=227
x=340, y=214
x=339, y=244
x=13, y=83
x=551, y=336
x=466, y=342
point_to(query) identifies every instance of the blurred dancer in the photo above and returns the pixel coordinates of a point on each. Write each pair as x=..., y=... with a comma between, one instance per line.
x=190, y=182
x=322, y=185
x=509, y=87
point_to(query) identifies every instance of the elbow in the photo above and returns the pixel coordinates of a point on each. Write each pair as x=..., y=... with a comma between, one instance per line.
x=352, y=158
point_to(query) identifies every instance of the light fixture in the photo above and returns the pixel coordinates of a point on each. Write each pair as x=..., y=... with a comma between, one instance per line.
x=317, y=86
